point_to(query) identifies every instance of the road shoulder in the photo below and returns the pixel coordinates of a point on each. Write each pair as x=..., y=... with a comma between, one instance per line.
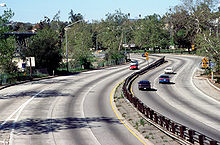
x=205, y=85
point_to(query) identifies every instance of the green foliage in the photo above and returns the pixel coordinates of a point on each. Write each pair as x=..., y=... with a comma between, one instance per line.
x=150, y=32
x=6, y=16
x=142, y=122
x=79, y=42
x=44, y=47
x=75, y=17
x=110, y=34
x=7, y=49
x=209, y=46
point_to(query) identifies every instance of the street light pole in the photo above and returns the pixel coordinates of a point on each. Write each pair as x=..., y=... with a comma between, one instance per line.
x=67, y=65
x=66, y=28
x=218, y=19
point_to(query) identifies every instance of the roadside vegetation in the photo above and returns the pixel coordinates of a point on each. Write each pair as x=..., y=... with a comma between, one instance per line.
x=191, y=27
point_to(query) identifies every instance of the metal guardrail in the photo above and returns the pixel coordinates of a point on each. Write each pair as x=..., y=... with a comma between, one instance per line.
x=175, y=128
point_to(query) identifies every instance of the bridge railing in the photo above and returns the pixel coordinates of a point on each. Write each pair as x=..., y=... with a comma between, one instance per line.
x=178, y=130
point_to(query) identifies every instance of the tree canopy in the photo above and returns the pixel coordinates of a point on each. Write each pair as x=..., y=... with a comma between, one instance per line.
x=7, y=48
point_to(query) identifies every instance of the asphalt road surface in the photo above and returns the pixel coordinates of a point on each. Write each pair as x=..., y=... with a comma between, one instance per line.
x=180, y=100
x=66, y=110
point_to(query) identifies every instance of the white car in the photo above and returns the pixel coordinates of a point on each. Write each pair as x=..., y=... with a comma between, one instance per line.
x=134, y=62
x=168, y=70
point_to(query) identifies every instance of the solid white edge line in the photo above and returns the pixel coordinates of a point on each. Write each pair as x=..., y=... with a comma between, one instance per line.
x=191, y=81
x=20, y=109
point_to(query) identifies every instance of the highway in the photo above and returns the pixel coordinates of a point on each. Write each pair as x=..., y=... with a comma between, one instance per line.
x=180, y=100
x=66, y=110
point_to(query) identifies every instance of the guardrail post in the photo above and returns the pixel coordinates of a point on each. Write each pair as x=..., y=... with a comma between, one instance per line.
x=213, y=142
x=191, y=133
x=182, y=129
x=161, y=121
x=147, y=112
x=155, y=118
x=201, y=139
x=167, y=121
x=135, y=102
x=173, y=127
x=128, y=97
x=142, y=108
x=151, y=114
x=132, y=99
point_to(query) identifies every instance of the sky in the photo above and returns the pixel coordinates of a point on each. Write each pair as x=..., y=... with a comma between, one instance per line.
x=34, y=11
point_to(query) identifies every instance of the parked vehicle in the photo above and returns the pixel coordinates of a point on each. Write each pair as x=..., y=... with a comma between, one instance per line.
x=144, y=84
x=168, y=70
x=164, y=79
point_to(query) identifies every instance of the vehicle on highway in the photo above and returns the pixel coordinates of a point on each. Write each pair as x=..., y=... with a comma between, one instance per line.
x=133, y=67
x=134, y=62
x=144, y=84
x=164, y=79
x=168, y=70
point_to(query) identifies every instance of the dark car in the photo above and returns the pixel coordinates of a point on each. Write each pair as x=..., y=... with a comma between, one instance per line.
x=164, y=79
x=144, y=84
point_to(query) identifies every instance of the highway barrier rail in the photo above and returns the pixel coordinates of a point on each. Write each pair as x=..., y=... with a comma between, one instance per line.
x=178, y=130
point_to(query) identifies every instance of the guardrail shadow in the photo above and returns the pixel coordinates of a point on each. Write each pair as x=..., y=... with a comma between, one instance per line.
x=168, y=83
x=151, y=89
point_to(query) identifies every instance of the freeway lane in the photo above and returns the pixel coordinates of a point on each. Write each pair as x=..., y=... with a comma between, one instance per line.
x=65, y=110
x=180, y=100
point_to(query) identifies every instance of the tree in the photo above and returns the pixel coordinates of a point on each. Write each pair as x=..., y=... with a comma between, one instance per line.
x=151, y=32
x=194, y=22
x=79, y=44
x=190, y=18
x=7, y=48
x=44, y=46
x=75, y=17
x=110, y=35
x=209, y=46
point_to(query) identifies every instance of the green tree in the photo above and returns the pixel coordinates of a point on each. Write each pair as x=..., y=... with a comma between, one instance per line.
x=79, y=44
x=7, y=48
x=75, y=17
x=190, y=18
x=151, y=32
x=194, y=22
x=44, y=46
x=111, y=33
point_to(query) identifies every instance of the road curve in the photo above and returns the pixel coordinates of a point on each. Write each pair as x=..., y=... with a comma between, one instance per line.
x=180, y=100
x=72, y=109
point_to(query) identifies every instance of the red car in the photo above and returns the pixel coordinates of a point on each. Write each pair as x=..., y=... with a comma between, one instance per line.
x=133, y=67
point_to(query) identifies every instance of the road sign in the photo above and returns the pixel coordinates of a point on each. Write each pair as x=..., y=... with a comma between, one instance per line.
x=204, y=60
x=30, y=61
x=147, y=58
x=204, y=65
x=146, y=54
x=193, y=47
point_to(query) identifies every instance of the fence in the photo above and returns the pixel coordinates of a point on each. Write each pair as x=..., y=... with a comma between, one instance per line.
x=177, y=129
